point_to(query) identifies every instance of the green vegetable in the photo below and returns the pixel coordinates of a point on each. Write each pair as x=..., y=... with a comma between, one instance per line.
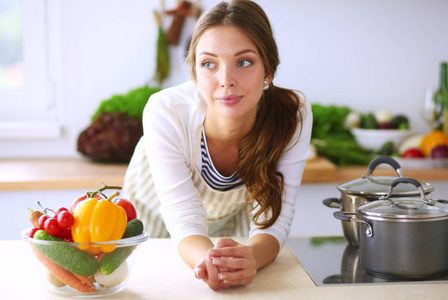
x=369, y=121
x=131, y=103
x=387, y=148
x=400, y=122
x=133, y=228
x=68, y=257
x=320, y=241
x=114, y=259
x=343, y=152
x=328, y=122
x=162, y=54
x=333, y=140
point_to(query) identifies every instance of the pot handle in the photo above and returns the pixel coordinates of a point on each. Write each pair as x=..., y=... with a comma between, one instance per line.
x=412, y=181
x=347, y=218
x=384, y=159
x=332, y=202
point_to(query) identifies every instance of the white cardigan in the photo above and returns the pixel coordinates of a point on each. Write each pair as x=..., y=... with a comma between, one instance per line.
x=172, y=120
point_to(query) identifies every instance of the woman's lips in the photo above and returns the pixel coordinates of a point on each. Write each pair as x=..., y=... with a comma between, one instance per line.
x=229, y=99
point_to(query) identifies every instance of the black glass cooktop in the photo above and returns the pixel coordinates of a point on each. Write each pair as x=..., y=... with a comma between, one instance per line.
x=331, y=260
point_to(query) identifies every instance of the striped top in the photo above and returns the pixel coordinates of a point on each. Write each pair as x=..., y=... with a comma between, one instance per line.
x=212, y=176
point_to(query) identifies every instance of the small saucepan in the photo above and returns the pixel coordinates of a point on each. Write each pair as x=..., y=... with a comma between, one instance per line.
x=367, y=189
x=403, y=237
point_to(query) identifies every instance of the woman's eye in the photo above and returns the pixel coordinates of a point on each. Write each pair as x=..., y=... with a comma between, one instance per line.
x=208, y=65
x=244, y=63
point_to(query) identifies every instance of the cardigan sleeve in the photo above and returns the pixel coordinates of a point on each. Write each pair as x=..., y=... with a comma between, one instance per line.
x=291, y=165
x=169, y=137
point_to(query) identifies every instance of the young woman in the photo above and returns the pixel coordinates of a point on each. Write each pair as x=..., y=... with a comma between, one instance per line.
x=223, y=155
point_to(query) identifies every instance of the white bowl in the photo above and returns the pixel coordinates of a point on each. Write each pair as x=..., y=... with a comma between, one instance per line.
x=374, y=139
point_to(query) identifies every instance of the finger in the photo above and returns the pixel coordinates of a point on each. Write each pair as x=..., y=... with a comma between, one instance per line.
x=225, y=285
x=200, y=273
x=241, y=277
x=200, y=270
x=229, y=283
x=223, y=269
x=213, y=281
x=233, y=263
x=225, y=242
x=238, y=251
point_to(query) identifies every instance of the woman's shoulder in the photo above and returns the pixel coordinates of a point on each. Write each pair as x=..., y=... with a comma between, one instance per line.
x=183, y=97
x=179, y=104
x=184, y=93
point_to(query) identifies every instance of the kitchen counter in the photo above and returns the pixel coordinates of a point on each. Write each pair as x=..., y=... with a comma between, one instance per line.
x=78, y=173
x=159, y=273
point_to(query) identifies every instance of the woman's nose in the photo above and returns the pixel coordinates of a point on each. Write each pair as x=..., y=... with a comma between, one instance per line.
x=227, y=79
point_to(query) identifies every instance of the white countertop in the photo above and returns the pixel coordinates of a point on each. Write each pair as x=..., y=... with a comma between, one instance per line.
x=159, y=273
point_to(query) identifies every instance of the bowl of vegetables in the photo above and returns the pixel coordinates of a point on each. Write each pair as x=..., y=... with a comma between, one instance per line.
x=424, y=151
x=374, y=131
x=86, y=250
x=375, y=139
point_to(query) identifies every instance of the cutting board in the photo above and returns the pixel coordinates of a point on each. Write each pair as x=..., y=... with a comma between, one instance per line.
x=319, y=170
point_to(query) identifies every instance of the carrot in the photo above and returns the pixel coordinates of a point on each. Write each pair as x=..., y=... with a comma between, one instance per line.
x=62, y=274
x=100, y=256
x=84, y=279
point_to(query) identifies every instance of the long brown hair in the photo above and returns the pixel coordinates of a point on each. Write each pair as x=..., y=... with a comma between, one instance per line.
x=278, y=112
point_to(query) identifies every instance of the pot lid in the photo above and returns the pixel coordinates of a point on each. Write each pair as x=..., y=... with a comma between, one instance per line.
x=379, y=186
x=406, y=208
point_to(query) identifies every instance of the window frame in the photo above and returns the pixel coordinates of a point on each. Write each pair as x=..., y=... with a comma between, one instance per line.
x=31, y=112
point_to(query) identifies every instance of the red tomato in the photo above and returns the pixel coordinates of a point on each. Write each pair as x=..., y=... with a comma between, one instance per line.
x=41, y=222
x=76, y=201
x=59, y=210
x=413, y=153
x=32, y=232
x=52, y=226
x=65, y=219
x=66, y=235
x=128, y=207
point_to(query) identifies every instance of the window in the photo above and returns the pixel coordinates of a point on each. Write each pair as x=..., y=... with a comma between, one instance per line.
x=27, y=40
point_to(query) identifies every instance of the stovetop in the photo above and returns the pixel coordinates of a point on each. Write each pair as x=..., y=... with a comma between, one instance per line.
x=331, y=260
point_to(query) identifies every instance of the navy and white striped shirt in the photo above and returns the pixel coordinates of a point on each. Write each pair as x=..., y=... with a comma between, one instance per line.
x=212, y=176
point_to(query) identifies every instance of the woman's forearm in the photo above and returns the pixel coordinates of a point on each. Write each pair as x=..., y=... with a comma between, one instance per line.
x=265, y=249
x=194, y=248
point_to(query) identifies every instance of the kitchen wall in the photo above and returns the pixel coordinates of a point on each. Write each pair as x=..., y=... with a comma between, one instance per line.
x=363, y=54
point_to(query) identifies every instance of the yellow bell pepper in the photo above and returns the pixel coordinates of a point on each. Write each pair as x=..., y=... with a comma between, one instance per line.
x=98, y=220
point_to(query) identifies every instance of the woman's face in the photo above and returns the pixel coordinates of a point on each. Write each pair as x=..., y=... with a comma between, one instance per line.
x=230, y=73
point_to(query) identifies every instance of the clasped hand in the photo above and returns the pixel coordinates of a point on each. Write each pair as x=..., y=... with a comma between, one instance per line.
x=227, y=264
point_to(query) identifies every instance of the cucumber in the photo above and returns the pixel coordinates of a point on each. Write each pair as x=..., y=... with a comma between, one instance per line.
x=68, y=257
x=133, y=228
x=114, y=259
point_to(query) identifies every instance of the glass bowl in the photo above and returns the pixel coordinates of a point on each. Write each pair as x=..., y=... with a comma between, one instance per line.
x=54, y=259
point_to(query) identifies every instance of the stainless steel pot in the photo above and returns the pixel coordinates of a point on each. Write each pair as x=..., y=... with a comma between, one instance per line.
x=403, y=237
x=366, y=189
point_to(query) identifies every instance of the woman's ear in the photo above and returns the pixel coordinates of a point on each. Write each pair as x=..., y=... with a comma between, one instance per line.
x=268, y=78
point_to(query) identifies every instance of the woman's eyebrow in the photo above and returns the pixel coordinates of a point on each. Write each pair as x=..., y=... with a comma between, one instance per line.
x=245, y=51
x=236, y=54
x=208, y=53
